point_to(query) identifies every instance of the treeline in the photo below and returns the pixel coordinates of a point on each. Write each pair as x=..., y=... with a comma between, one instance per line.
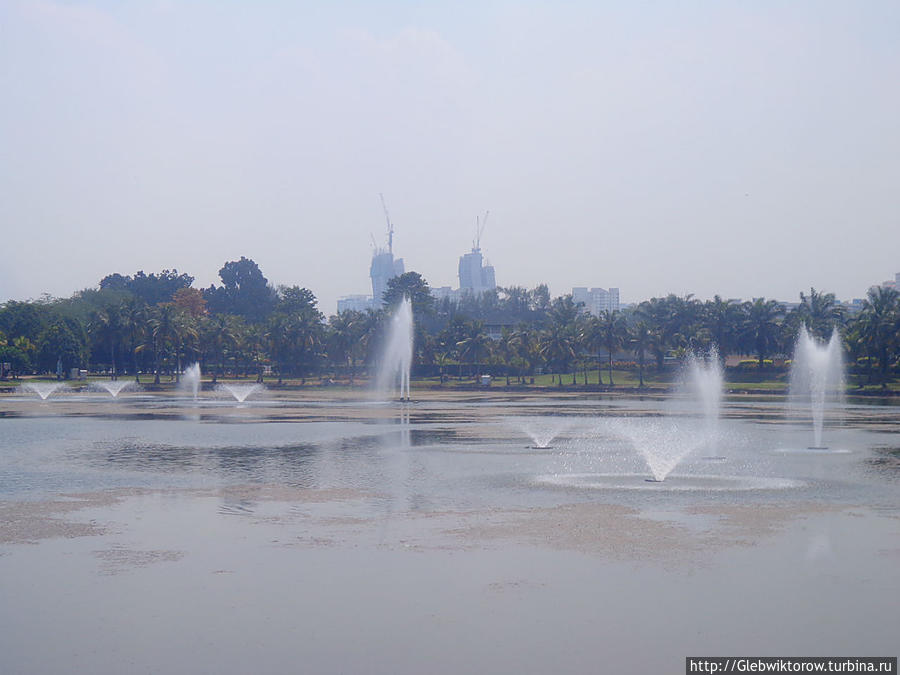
x=158, y=323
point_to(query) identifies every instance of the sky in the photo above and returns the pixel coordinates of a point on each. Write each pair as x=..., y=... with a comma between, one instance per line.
x=743, y=149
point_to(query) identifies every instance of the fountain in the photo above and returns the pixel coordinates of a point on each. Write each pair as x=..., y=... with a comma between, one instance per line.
x=542, y=430
x=817, y=379
x=113, y=387
x=398, y=352
x=703, y=386
x=190, y=380
x=42, y=389
x=665, y=441
x=240, y=391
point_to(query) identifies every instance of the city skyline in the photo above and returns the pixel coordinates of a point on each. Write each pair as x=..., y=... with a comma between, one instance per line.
x=744, y=149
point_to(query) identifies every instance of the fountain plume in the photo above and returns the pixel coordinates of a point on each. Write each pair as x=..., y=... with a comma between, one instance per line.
x=817, y=378
x=396, y=360
x=190, y=381
x=112, y=387
x=240, y=392
x=42, y=389
x=665, y=441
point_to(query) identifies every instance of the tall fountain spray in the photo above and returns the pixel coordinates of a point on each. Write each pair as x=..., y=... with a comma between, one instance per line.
x=396, y=360
x=703, y=386
x=665, y=441
x=191, y=379
x=817, y=378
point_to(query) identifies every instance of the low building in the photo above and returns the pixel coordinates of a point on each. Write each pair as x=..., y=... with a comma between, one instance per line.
x=596, y=300
x=356, y=303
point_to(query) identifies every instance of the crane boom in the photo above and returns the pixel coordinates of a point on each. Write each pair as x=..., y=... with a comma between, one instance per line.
x=390, y=225
x=480, y=224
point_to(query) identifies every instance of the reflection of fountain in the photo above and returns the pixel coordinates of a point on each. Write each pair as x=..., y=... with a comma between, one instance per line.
x=542, y=430
x=190, y=381
x=664, y=442
x=42, y=389
x=817, y=378
x=396, y=359
x=240, y=391
x=113, y=387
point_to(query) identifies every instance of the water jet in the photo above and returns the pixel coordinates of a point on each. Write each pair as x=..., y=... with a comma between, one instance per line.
x=396, y=359
x=817, y=380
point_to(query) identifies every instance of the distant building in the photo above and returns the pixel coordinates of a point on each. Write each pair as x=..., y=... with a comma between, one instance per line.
x=596, y=300
x=383, y=268
x=445, y=293
x=888, y=283
x=474, y=276
x=356, y=303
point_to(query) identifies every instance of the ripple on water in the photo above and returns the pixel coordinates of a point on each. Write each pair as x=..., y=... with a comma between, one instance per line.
x=675, y=483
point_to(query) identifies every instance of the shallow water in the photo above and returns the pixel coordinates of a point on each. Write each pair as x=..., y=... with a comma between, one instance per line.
x=366, y=536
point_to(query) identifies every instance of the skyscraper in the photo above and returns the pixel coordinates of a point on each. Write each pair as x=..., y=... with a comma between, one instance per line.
x=474, y=276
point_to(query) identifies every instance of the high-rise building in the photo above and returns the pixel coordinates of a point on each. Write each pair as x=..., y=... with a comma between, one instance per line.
x=383, y=268
x=474, y=276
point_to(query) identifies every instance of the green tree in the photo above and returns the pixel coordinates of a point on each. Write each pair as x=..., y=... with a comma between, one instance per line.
x=879, y=322
x=613, y=333
x=475, y=346
x=641, y=339
x=413, y=286
x=820, y=313
x=762, y=327
x=723, y=320
x=107, y=330
x=557, y=347
x=59, y=346
x=244, y=292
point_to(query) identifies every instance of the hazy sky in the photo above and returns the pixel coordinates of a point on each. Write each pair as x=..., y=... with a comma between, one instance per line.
x=742, y=148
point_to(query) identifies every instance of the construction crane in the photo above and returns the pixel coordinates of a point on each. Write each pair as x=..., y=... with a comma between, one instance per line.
x=480, y=224
x=390, y=225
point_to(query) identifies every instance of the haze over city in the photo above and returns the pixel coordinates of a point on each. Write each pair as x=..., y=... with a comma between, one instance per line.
x=744, y=149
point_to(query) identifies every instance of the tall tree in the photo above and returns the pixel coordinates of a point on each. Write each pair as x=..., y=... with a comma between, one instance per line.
x=413, y=286
x=820, y=313
x=244, y=291
x=762, y=328
x=879, y=326
x=640, y=338
x=613, y=333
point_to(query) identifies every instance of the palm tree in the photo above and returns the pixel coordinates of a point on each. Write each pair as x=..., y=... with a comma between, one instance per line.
x=218, y=335
x=641, y=338
x=475, y=346
x=524, y=348
x=878, y=323
x=557, y=346
x=105, y=326
x=134, y=322
x=613, y=333
x=722, y=319
x=762, y=327
x=162, y=333
x=820, y=313
x=345, y=333
x=254, y=344
x=506, y=349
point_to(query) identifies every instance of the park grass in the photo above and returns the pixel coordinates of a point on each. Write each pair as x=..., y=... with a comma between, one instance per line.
x=735, y=381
